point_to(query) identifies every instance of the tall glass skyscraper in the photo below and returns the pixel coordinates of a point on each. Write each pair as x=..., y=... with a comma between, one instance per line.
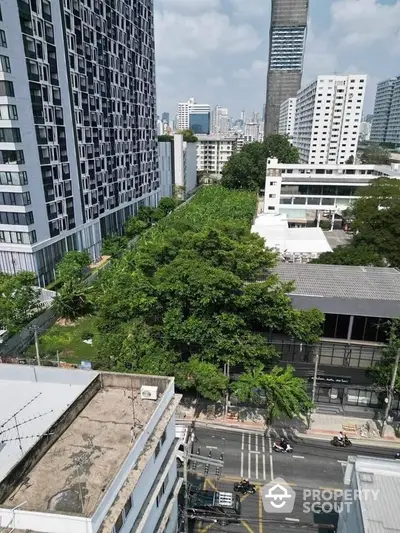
x=287, y=38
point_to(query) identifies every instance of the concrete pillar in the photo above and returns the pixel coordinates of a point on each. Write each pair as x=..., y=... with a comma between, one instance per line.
x=350, y=330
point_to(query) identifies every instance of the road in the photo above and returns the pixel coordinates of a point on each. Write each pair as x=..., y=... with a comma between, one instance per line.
x=314, y=465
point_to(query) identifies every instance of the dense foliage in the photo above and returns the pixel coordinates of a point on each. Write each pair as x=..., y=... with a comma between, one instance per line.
x=19, y=301
x=374, y=218
x=246, y=169
x=187, y=300
x=375, y=155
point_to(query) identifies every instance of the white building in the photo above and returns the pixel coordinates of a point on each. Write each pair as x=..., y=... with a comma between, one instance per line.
x=252, y=131
x=213, y=151
x=77, y=128
x=191, y=108
x=220, y=121
x=287, y=117
x=328, y=117
x=372, y=490
x=99, y=450
x=317, y=187
x=365, y=131
x=177, y=166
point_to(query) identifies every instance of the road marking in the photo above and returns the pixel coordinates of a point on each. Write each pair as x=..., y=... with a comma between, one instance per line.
x=260, y=511
x=330, y=488
x=212, y=447
x=298, y=456
x=209, y=482
x=249, y=476
x=343, y=462
x=241, y=457
x=270, y=458
x=256, y=483
x=263, y=450
x=247, y=526
x=292, y=519
x=256, y=452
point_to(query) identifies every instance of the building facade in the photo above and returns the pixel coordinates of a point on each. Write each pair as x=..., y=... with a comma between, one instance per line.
x=78, y=152
x=177, y=166
x=286, y=52
x=111, y=452
x=386, y=117
x=220, y=122
x=287, y=117
x=199, y=112
x=328, y=117
x=213, y=151
x=199, y=122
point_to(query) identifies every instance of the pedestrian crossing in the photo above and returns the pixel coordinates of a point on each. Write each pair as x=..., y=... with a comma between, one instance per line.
x=255, y=457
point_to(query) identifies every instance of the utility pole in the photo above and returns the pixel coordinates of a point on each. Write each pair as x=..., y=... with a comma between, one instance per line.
x=36, y=344
x=227, y=374
x=391, y=393
x=314, y=387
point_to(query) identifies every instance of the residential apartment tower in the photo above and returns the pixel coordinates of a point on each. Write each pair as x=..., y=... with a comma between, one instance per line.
x=386, y=121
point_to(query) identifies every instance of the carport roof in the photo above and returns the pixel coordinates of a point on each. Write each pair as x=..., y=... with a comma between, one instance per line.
x=344, y=290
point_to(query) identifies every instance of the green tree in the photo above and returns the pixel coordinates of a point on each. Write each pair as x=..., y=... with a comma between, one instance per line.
x=73, y=299
x=206, y=378
x=351, y=254
x=135, y=226
x=167, y=205
x=350, y=160
x=375, y=155
x=114, y=245
x=19, y=300
x=246, y=169
x=188, y=136
x=376, y=215
x=279, y=392
x=72, y=266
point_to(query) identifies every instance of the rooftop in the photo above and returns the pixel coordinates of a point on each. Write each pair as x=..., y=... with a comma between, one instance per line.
x=72, y=476
x=345, y=290
x=380, y=514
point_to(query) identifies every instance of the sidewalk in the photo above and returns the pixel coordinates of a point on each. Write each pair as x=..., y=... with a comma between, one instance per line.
x=323, y=427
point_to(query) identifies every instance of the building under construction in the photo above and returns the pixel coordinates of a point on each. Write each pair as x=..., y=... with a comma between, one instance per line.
x=287, y=39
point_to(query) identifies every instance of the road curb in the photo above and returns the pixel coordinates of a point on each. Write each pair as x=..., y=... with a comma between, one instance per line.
x=319, y=437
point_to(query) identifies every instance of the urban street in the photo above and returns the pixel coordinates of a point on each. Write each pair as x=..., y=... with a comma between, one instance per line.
x=314, y=465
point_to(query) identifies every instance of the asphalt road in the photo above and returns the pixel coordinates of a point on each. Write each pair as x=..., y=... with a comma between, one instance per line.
x=314, y=465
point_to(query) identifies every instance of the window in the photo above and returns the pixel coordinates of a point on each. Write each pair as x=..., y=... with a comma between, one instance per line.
x=4, y=64
x=6, y=88
x=11, y=157
x=272, y=183
x=8, y=112
x=162, y=491
x=3, y=40
x=119, y=523
x=128, y=506
x=163, y=436
x=157, y=450
x=10, y=135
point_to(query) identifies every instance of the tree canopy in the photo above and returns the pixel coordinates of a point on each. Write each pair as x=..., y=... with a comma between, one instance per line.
x=351, y=254
x=19, y=300
x=246, y=169
x=375, y=155
x=187, y=300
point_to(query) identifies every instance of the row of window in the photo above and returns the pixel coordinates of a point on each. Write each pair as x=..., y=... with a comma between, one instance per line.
x=18, y=237
x=3, y=40
x=320, y=190
x=16, y=219
x=362, y=329
x=13, y=178
x=12, y=198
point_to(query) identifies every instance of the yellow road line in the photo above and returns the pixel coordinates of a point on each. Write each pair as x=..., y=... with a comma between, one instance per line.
x=246, y=525
x=260, y=512
x=209, y=482
x=205, y=529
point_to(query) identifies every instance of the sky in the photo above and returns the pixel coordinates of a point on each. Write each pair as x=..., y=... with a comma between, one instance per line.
x=216, y=51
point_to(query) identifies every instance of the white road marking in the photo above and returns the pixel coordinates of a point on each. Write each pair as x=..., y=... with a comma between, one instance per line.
x=212, y=447
x=256, y=452
x=263, y=456
x=249, y=476
x=241, y=457
x=270, y=458
x=343, y=462
x=298, y=456
x=292, y=519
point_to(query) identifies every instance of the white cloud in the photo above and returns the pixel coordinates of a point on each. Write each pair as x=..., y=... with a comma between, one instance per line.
x=191, y=6
x=250, y=8
x=216, y=82
x=257, y=68
x=179, y=36
x=366, y=22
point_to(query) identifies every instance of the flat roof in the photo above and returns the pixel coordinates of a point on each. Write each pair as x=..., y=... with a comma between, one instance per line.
x=74, y=473
x=344, y=290
x=380, y=514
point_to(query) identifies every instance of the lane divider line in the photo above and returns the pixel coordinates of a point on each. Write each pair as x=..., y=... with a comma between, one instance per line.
x=298, y=457
x=292, y=519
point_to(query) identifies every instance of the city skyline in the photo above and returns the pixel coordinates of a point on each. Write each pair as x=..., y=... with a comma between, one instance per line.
x=343, y=37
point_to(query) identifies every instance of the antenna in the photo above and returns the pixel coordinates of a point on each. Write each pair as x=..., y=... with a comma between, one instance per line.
x=19, y=410
x=135, y=421
x=24, y=422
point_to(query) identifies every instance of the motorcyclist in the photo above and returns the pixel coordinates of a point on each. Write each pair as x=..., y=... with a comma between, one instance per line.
x=245, y=482
x=284, y=443
x=340, y=437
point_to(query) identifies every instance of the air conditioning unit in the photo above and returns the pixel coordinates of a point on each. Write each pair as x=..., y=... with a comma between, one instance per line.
x=148, y=393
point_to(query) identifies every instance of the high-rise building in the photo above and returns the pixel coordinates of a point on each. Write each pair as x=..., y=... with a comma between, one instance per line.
x=220, y=121
x=252, y=131
x=77, y=128
x=287, y=38
x=165, y=117
x=328, y=117
x=386, y=118
x=194, y=116
x=287, y=117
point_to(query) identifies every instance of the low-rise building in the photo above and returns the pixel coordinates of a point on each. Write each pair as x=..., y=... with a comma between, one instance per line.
x=213, y=151
x=372, y=488
x=177, y=166
x=87, y=452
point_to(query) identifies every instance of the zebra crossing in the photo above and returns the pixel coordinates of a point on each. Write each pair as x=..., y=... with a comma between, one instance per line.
x=256, y=457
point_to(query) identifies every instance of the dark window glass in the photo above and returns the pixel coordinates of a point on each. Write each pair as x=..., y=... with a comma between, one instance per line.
x=330, y=326
x=358, y=328
x=10, y=135
x=342, y=327
x=119, y=523
x=6, y=88
x=128, y=506
x=5, y=64
x=3, y=40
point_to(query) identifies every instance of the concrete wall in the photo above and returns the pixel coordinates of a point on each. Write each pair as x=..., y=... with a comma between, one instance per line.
x=165, y=168
x=179, y=164
x=190, y=167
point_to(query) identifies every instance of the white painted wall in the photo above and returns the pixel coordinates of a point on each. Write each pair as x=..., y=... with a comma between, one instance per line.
x=190, y=167
x=165, y=168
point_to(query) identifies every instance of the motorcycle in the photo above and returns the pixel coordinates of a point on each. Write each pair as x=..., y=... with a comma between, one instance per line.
x=278, y=448
x=244, y=488
x=345, y=442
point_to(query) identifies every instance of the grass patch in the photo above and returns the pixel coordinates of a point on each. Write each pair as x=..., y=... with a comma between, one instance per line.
x=68, y=341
